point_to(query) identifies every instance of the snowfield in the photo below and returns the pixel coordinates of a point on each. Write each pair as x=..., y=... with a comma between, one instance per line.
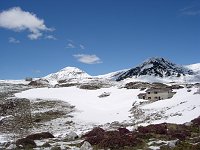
x=90, y=107
x=183, y=107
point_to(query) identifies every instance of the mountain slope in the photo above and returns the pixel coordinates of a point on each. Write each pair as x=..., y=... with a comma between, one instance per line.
x=67, y=73
x=157, y=67
x=194, y=67
x=112, y=75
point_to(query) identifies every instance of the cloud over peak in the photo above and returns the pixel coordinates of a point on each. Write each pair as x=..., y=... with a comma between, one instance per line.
x=88, y=59
x=18, y=20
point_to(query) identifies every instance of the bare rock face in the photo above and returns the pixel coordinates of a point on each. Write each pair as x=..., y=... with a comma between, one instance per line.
x=40, y=82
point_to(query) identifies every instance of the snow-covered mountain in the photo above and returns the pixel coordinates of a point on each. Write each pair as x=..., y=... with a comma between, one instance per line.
x=112, y=75
x=157, y=67
x=151, y=70
x=67, y=73
x=194, y=67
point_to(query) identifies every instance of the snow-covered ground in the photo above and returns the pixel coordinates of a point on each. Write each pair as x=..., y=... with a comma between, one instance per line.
x=150, y=79
x=194, y=67
x=183, y=107
x=15, y=81
x=90, y=107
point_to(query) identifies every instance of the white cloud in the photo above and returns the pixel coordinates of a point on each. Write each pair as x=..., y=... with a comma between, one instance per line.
x=191, y=11
x=50, y=37
x=88, y=59
x=13, y=40
x=70, y=45
x=18, y=20
x=82, y=46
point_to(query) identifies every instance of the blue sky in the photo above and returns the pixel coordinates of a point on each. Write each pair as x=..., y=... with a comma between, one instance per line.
x=41, y=37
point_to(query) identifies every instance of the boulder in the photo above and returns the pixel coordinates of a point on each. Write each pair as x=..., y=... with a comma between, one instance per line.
x=86, y=146
x=25, y=143
x=39, y=136
x=71, y=136
x=104, y=94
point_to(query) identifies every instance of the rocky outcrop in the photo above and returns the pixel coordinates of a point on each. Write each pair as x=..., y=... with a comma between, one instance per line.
x=39, y=82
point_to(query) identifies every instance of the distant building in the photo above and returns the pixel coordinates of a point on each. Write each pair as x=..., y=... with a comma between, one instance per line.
x=157, y=94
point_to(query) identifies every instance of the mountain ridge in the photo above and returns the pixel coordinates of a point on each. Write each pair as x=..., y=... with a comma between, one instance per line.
x=158, y=67
x=155, y=67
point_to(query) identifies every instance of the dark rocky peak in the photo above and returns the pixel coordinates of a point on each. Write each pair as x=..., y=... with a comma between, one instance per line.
x=156, y=66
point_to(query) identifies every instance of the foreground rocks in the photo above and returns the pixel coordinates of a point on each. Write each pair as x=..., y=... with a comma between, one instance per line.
x=163, y=136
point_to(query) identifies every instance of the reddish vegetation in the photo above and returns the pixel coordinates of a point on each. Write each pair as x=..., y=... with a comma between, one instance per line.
x=95, y=132
x=112, y=139
x=157, y=129
x=196, y=121
x=124, y=138
x=123, y=131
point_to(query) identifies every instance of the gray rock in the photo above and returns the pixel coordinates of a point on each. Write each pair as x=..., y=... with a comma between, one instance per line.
x=172, y=144
x=11, y=147
x=86, y=146
x=71, y=136
x=188, y=123
x=46, y=145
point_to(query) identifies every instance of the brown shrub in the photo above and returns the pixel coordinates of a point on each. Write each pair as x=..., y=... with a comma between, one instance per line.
x=95, y=132
x=157, y=129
